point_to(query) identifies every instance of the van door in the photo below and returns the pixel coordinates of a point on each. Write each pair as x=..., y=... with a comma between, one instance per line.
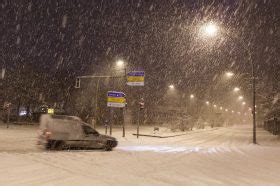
x=92, y=138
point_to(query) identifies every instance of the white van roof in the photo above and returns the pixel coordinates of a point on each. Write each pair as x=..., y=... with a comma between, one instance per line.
x=75, y=118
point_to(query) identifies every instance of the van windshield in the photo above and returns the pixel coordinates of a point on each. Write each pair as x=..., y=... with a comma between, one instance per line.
x=88, y=130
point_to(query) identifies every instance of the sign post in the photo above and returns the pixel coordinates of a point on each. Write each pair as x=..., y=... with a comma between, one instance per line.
x=115, y=100
x=136, y=78
x=7, y=107
x=141, y=107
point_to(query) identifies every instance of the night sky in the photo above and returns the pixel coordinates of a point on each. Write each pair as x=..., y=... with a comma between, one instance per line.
x=48, y=43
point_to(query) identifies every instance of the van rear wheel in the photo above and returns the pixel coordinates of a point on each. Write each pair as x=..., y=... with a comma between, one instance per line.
x=50, y=145
x=54, y=145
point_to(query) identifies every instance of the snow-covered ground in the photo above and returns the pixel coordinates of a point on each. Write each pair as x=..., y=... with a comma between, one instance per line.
x=222, y=156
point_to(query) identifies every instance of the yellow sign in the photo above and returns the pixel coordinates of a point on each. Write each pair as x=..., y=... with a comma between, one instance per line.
x=136, y=78
x=116, y=99
x=50, y=111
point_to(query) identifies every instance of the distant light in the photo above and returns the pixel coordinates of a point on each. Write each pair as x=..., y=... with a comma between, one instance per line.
x=240, y=97
x=238, y=113
x=236, y=89
x=3, y=73
x=221, y=108
x=232, y=111
x=210, y=29
x=243, y=103
x=171, y=86
x=229, y=74
x=191, y=96
x=250, y=108
x=226, y=110
x=207, y=102
x=215, y=106
x=23, y=113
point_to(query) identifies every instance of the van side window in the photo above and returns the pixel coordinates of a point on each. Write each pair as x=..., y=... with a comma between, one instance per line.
x=88, y=130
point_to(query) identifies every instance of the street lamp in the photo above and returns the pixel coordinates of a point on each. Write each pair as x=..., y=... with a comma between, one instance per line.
x=229, y=74
x=191, y=96
x=171, y=87
x=243, y=103
x=207, y=102
x=120, y=63
x=211, y=30
x=240, y=97
x=236, y=89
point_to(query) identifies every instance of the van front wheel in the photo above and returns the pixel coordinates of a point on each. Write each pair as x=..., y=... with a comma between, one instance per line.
x=108, y=146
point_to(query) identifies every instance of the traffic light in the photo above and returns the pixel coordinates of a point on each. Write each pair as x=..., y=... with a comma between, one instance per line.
x=78, y=83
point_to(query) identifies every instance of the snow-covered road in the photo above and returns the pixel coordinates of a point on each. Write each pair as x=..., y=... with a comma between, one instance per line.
x=221, y=156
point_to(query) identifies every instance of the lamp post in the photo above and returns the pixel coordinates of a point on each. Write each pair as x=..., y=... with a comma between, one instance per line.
x=120, y=64
x=211, y=30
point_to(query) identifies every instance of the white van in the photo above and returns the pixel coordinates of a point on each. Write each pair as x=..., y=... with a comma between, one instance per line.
x=61, y=131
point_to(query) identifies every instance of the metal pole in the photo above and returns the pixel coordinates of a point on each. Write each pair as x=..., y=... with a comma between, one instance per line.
x=111, y=120
x=254, y=103
x=124, y=108
x=8, y=119
x=138, y=123
x=96, y=104
x=123, y=130
x=253, y=85
x=122, y=112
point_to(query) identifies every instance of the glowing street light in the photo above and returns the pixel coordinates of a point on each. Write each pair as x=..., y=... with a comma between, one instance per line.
x=240, y=97
x=120, y=63
x=210, y=29
x=171, y=86
x=207, y=102
x=236, y=89
x=226, y=110
x=191, y=96
x=215, y=106
x=232, y=111
x=229, y=74
x=243, y=103
x=221, y=108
